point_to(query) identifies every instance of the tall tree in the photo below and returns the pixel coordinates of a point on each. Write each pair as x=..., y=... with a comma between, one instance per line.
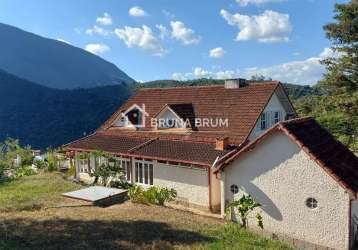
x=342, y=70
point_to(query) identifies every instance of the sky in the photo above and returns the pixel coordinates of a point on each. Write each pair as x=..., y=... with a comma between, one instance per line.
x=187, y=39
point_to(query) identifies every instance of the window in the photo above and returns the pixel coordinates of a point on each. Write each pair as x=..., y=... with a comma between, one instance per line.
x=83, y=165
x=234, y=189
x=144, y=173
x=125, y=166
x=311, y=203
x=263, y=121
x=277, y=117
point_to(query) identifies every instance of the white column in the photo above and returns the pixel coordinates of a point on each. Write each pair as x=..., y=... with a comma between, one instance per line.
x=222, y=194
x=133, y=170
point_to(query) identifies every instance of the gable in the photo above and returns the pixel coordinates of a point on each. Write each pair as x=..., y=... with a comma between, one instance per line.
x=280, y=161
x=241, y=106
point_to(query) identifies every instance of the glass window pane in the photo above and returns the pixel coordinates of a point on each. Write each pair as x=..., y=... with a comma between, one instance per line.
x=145, y=173
x=128, y=171
x=150, y=174
x=140, y=172
x=136, y=172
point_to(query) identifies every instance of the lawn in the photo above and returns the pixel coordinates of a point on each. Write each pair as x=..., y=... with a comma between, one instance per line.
x=50, y=221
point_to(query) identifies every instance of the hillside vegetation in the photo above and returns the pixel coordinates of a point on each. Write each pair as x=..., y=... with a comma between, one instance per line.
x=43, y=117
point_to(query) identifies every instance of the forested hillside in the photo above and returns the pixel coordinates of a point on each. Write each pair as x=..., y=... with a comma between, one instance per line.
x=44, y=117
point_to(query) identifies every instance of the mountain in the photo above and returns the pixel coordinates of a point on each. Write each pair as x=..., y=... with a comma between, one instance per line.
x=42, y=117
x=53, y=63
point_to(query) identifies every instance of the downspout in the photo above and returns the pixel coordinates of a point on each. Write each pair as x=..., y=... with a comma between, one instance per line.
x=209, y=182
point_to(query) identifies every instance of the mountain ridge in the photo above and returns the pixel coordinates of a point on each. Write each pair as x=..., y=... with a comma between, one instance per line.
x=53, y=63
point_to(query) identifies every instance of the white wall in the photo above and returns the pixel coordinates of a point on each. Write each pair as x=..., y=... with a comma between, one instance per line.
x=190, y=183
x=273, y=105
x=281, y=177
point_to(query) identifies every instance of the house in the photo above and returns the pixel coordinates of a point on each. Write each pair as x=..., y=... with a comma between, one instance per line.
x=201, y=141
x=306, y=181
x=171, y=137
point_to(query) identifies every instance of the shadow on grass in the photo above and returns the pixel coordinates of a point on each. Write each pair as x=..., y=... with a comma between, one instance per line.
x=93, y=234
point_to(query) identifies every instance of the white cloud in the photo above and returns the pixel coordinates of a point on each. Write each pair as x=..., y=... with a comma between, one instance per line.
x=141, y=38
x=185, y=35
x=97, y=48
x=106, y=19
x=63, y=40
x=168, y=14
x=270, y=26
x=137, y=11
x=328, y=53
x=307, y=71
x=217, y=52
x=199, y=72
x=296, y=53
x=256, y=2
x=98, y=31
x=163, y=31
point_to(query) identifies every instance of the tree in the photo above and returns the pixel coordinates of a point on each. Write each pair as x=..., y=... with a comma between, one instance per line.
x=337, y=110
x=342, y=70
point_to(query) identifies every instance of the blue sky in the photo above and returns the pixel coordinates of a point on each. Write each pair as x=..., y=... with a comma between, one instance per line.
x=167, y=39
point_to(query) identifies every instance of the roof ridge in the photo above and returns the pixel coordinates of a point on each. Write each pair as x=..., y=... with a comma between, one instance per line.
x=208, y=86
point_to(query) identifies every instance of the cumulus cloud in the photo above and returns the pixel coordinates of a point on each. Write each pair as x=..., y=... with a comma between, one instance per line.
x=141, y=37
x=98, y=31
x=307, y=71
x=106, y=19
x=182, y=33
x=270, y=26
x=217, y=52
x=256, y=2
x=199, y=72
x=97, y=48
x=137, y=11
x=163, y=31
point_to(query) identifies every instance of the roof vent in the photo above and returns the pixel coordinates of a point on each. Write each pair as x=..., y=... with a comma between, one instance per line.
x=235, y=83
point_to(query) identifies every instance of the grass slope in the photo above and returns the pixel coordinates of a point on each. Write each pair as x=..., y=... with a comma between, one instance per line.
x=33, y=192
x=122, y=226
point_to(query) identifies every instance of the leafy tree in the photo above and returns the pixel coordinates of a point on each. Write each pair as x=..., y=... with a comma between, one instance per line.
x=244, y=206
x=337, y=110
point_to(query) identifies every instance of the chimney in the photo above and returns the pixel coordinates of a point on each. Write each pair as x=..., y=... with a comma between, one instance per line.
x=221, y=143
x=235, y=83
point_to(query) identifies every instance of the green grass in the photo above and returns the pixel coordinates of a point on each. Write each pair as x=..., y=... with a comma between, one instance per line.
x=25, y=224
x=33, y=192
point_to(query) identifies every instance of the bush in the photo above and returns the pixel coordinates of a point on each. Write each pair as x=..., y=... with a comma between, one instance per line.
x=136, y=194
x=71, y=172
x=40, y=164
x=24, y=171
x=121, y=184
x=153, y=195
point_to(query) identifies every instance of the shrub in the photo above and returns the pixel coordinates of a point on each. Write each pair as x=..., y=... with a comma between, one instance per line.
x=136, y=194
x=121, y=184
x=40, y=164
x=244, y=206
x=71, y=172
x=158, y=196
x=24, y=171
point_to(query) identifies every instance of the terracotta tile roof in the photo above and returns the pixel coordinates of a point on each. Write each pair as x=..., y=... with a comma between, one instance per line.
x=335, y=158
x=149, y=147
x=241, y=106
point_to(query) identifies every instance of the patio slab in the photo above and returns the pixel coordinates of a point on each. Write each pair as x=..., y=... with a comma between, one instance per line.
x=98, y=195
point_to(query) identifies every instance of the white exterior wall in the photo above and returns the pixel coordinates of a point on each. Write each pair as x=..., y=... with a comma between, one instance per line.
x=280, y=176
x=191, y=184
x=215, y=192
x=273, y=105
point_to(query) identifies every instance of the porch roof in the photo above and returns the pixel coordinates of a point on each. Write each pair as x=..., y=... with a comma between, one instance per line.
x=197, y=153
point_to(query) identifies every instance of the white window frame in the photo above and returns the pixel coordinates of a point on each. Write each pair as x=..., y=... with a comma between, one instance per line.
x=141, y=169
x=278, y=118
x=83, y=165
x=263, y=121
x=125, y=165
